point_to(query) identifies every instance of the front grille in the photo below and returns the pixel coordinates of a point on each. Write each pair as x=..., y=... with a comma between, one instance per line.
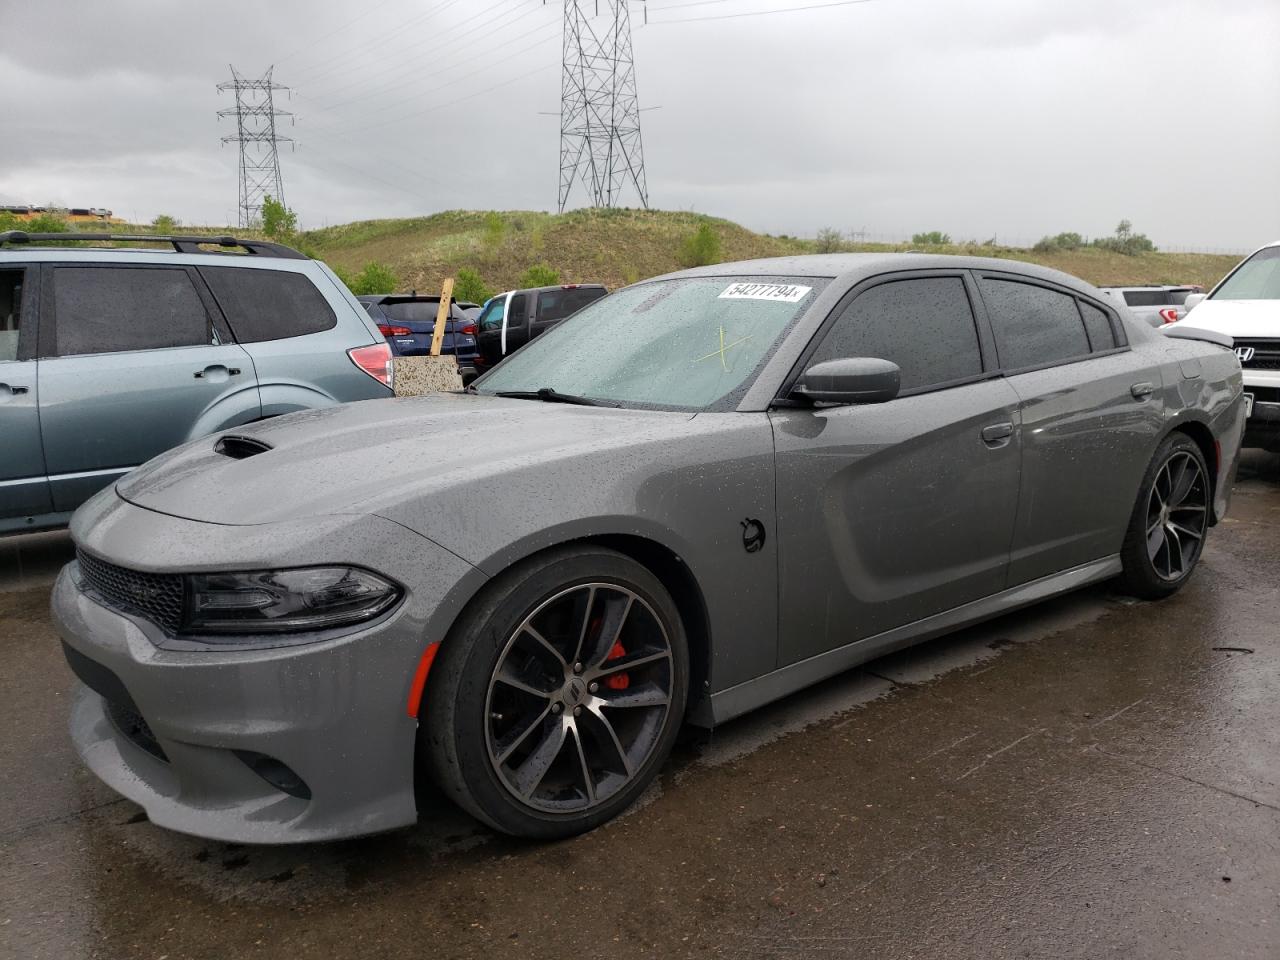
x=156, y=596
x=1266, y=353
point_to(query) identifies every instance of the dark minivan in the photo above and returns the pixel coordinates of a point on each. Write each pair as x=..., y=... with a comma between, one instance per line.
x=510, y=320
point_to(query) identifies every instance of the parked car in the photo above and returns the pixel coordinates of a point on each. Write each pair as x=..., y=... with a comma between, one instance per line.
x=766, y=474
x=1154, y=305
x=408, y=322
x=510, y=320
x=109, y=356
x=1246, y=307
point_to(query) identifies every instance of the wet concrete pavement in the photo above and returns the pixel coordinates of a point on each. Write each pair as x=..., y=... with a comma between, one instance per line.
x=1090, y=778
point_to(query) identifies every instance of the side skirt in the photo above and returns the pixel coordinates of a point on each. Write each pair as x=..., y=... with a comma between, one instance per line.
x=735, y=701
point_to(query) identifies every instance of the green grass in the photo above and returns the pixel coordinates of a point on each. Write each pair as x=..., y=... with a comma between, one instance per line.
x=621, y=246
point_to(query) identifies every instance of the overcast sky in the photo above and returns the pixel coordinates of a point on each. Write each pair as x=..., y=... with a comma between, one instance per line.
x=1012, y=118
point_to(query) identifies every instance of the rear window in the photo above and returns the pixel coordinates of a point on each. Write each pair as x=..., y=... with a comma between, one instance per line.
x=265, y=305
x=558, y=304
x=416, y=311
x=1149, y=298
x=117, y=309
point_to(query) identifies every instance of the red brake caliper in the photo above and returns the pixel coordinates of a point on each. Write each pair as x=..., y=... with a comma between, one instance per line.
x=617, y=681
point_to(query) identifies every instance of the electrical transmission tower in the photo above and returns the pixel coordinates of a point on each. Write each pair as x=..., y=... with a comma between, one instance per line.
x=599, y=110
x=256, y=115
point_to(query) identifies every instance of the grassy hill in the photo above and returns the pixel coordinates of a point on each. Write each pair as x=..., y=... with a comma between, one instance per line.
x=616, y=247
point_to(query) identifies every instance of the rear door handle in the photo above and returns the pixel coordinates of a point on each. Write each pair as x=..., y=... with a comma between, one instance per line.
x=1142, y=390
x=12, y=388
x=997, y=434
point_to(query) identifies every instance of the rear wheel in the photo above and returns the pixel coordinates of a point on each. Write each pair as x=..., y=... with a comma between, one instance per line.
x=1170, y=521
x=558, y=696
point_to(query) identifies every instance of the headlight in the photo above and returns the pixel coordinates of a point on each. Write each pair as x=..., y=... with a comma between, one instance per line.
x=284, y=601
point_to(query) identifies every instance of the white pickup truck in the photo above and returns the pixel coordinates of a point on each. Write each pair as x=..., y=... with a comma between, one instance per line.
x=1246, y=307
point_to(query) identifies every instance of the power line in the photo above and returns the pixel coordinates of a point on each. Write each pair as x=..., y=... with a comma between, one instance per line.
x=256, y=115
x=364, y=15
x=761, y=13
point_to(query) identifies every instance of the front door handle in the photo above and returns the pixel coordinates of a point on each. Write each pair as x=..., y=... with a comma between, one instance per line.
x=997, y=434
x=217, y=372
x=1142, y=390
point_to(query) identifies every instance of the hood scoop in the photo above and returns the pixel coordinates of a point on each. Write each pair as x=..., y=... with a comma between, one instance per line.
x=240, y=448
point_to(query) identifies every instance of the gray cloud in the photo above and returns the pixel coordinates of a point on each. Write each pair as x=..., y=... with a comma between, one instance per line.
x=995, y=117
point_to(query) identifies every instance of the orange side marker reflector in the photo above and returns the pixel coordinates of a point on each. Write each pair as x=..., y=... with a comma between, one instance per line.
x=420, y=678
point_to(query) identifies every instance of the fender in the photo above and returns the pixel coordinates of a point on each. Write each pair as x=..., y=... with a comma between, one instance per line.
x=228, y=410
x=287, y=396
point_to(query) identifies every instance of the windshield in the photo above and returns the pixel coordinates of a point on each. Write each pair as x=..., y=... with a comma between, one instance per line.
x=1258, y=278
x=690, y=344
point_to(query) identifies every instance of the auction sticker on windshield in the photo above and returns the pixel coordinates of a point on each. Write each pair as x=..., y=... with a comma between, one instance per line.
x=778, y=292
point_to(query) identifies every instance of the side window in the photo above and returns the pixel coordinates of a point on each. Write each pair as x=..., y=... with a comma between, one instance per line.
x=925, y=326
x=268, y=304
x=1033, y=325
x=10, y=313
x=516, y=312
x=113, y=309
x=1101, y=334
x=491, y=315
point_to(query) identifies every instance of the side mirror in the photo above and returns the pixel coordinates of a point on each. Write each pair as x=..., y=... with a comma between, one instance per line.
x=850, y=380
x=1191, y=301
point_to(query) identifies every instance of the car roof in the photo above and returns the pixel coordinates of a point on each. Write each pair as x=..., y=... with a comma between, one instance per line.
x=851, y=268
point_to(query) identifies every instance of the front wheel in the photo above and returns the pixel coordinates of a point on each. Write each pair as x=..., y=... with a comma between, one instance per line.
x=558, y=696
x=1170, y=521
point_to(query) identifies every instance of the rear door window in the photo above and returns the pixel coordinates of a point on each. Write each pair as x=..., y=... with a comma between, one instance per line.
x=115, y=309
x=558, y=304
x=924, y=325
x=265, y=305
x=10, y=313
x=1033, y=326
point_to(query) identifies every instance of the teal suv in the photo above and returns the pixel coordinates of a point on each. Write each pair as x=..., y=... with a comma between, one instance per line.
x=110, y=355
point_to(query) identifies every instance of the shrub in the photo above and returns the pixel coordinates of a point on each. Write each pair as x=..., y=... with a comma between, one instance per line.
x=278, y=221
x=164, y=223
x=494, y=229
x=934, y=238
x=470, y=286
x=540, y=275
x=1063, y=241
x=829, y=241
x=1126, y=241
x=372, y=278
x=700, y=248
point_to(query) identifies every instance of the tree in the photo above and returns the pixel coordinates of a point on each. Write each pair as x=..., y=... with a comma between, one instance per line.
x=540, y=275
x=470, y=286
x=700, y=248
x=934, y=238
x=278, y=221
x=1126, y=241
x=164, y=223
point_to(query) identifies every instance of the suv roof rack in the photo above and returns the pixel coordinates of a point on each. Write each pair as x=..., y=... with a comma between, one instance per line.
x=262, y=248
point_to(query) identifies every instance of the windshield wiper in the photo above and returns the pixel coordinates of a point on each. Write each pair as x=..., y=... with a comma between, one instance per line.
x=548, y=395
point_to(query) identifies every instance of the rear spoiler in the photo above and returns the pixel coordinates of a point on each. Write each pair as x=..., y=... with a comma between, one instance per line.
x=1184, y=331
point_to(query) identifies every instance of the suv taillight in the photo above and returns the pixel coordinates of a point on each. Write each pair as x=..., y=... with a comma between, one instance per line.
x=469, y=330
x=1169, y=314
x=389, y=331
x=374, y=360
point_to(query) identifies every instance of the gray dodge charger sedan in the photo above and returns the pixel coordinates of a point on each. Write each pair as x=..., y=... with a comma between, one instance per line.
x=697, y=495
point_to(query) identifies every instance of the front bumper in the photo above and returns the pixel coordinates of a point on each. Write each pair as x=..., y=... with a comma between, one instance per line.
x=1262, y=429
x=179, y=731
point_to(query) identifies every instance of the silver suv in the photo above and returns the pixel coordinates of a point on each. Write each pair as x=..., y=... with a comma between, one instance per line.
x=111, y=355
x=1155, y=305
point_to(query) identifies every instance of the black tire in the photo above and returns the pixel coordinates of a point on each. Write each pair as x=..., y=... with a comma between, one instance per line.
x=457, y=739
x=1155, y=577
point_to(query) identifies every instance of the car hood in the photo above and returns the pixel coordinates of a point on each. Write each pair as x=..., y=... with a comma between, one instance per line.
x=370, y=456
x=1237, y=318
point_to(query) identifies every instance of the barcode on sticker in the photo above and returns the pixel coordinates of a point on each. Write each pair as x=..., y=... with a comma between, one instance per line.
x=778, y=292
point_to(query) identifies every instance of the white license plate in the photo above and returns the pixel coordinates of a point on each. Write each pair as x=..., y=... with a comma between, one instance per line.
x=1248, y=405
